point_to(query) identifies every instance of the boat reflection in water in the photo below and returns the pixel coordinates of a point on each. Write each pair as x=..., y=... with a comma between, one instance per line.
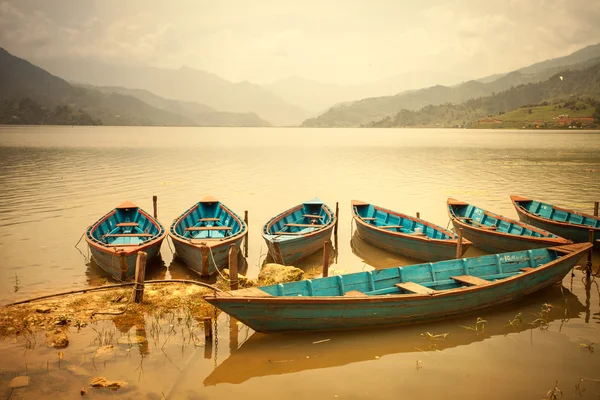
x=276, y=354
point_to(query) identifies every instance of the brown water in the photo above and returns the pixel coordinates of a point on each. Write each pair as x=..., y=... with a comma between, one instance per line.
x=56, y=181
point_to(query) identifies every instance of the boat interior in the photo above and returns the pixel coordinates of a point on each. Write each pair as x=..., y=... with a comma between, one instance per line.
x=309, y=217
x=397, y=222
x=208, y=220
x=557, y=214
x=479, y=218
x=125, y=227
x=421, y=278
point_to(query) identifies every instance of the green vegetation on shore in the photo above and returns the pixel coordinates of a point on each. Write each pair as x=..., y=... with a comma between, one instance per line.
x=28, y=112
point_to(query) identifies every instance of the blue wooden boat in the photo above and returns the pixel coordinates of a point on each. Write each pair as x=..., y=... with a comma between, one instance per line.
x=497, y=234
x=203, y=234
x=567, y=223
x=408, y=294
x=117, y=237
x=299, y=232
x=405, y=235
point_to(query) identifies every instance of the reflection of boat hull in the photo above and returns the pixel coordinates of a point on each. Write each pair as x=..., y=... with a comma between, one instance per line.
x=378, y=298
x=497, y=234
x=570, y=224
x=401, y=234
x=265, y=355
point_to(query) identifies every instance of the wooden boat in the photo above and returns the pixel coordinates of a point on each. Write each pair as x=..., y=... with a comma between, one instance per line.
x=117, y=237
x=203, y=234
x=405, y=235
x=408, y=294
x=299, y=232
x=567, y=223
x=497, y=234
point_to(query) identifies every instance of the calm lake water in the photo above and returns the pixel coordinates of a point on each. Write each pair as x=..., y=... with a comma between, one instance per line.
x=55, y=181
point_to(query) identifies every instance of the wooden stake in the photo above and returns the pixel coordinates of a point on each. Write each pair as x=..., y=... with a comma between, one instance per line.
x=208, y=329
x=233, y=335
x=459, y=244
x=595, y=209
x=326, y=259
x=337, y=217
x=588, y=264
x=246, y=237
x=155, y=206
x=233, y=267
x=140, y=275
x=205, y=261
x=418, y=215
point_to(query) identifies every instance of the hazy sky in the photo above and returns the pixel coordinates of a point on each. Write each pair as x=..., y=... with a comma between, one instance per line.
x=350, y=41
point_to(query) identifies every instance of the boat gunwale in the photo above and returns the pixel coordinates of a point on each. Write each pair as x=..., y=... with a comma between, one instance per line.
x=210, y=242
x=517, y=199
x=321, y=228
x=551, y=241
x=452, y=241
x=569, y=251
x=119, y=249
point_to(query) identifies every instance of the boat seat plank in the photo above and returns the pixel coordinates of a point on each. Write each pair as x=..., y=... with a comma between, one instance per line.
x=312, y=216
x=466, y=218
x=288, y=233
x=369, y=218
x=354, y=293
x=390, y=226
x=208, y=228
x=128, y=235
x=127, y=224
x=208, y=219
x=304, y=225
x=417, y=233
x=470, y=279
x=412, y=287
x=526, y=269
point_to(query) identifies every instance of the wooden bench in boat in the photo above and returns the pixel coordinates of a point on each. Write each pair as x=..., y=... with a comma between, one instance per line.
x=304, y=225
x=390, y=226
x=208, y=228
x=312, y=216
x=417, y=234
x=412, y=287
x=208, y=219
x=369, y=218
x=470, y=279
x=127, y=224
x=288, y=233
x=466, y=218
x=128, y=235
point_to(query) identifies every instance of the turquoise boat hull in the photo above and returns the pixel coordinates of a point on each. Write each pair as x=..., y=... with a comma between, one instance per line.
x=405, y=235
x=116, y=238
x=400, y=295
x=497, y=234
x=567, y=223
x=299, y=232
x=203, y=234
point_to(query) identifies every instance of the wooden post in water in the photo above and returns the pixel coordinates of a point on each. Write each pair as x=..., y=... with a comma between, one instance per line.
x=595, y=209
x=205, y=261
x=326, y=259
x=418, y=215
x=155, y=206
x=233, y=267
x=140, y=275
x=459, y=244
x=588, y=264
x=207, y=329
x=337, y=217
x=246, y=237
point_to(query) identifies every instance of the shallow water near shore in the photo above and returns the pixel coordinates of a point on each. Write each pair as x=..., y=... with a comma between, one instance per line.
x=56, y=181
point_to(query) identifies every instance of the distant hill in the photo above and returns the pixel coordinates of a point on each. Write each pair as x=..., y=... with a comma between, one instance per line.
x=184, y=84
x=199, y=114
x=573, y=92
x=20, y=79
x=28, y=112
x=317, y=97
x=373, y=109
